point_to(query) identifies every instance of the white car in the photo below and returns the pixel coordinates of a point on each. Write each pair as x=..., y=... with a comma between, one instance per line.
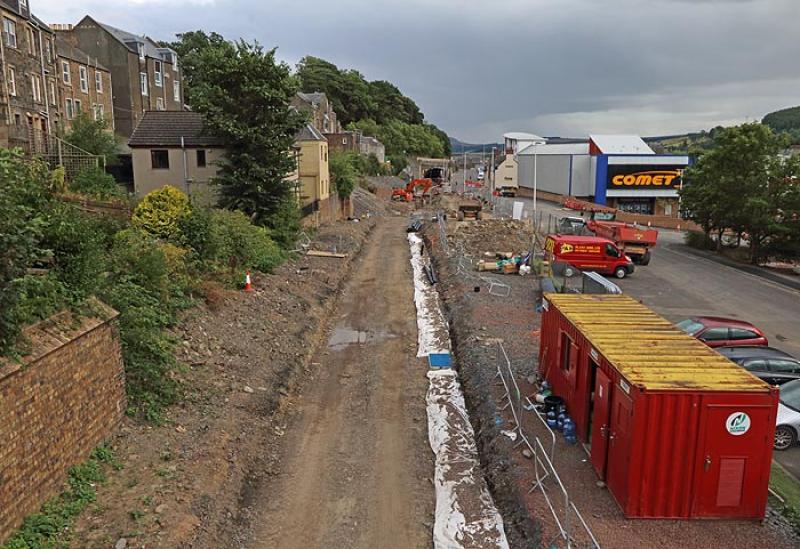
x=787, y=424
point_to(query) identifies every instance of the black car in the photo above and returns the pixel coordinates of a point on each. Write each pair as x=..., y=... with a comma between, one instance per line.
x=767, y=363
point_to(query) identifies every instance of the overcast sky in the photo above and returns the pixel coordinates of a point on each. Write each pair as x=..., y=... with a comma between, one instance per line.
x=552, y=67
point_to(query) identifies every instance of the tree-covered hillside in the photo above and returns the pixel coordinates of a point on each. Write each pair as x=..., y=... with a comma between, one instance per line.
x=785, y=120
x=376, y=107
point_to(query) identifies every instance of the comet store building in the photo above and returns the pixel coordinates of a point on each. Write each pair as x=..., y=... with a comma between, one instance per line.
x=644, y=184
x=673, y=428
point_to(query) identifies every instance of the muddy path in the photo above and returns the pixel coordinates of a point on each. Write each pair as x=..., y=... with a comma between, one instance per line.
x=355, y=465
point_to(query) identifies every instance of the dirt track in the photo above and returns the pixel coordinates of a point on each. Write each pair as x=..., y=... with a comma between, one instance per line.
x=355, y=462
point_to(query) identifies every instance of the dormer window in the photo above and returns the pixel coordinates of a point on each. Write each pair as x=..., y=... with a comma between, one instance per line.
x=140, y=49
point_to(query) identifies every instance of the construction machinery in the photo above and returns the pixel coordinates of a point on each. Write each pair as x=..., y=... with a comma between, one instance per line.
x=469, y=208
x=634, y=240
x=421, y=188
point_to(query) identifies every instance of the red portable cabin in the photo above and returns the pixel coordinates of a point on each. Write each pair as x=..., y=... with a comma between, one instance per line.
x=675, y=429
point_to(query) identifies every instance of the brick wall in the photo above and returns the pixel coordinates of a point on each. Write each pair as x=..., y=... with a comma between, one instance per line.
x=56, y=405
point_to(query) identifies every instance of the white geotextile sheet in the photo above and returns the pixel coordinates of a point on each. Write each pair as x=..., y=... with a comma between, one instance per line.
x=431, y=324
x=466, y=516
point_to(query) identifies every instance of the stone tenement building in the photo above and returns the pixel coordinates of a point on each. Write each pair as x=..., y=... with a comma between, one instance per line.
x=144, y=77
x=28, y=97
x=84, y=86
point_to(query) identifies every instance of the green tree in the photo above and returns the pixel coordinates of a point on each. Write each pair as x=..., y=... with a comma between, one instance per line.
x=743, y=185
x=243, y=93
x=343, y=173
x=93, y=136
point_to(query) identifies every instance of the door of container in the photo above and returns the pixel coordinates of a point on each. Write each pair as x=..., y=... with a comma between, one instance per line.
x=601, y=413
x=619, y=444
x=735, y=446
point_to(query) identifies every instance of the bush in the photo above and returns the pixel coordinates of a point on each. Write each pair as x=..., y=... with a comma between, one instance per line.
x=284, y=224
x=241, y=245
x=96, y=183
x=196, y=233
x=160, y=212
x=696, y=239
x=24, y=195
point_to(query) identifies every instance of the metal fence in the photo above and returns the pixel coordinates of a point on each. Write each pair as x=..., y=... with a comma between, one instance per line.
x=567, y=518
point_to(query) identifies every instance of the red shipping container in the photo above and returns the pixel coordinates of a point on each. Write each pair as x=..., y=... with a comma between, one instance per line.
x=675, y=429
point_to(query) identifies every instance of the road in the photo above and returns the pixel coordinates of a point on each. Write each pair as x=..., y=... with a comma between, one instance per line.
x=356, y=465
x=678, y=284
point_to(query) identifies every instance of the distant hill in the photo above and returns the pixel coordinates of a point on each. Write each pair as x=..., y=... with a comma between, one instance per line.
x=785, y=120
x=459, y=147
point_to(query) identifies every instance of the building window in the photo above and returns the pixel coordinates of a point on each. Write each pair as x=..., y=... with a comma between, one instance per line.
x=99, y=112
x=201, y=158
x=143, y=82
x=36, y=87
x=53, y=100
x=78, y=106
x=23, y=4
x=176, y=90
x=9, y=33
x=157, y=73
x=140, y=49
x=159, y=103
x=48, y=51
x=159, y=159
x=31, y=41
x=98, y=81
x=69, y=110
x=84, y=78
x=12, y=81
x=175, y=62
x=65, y=74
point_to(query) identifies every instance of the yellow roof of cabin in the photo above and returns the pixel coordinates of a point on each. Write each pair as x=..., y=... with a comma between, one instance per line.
x=648, y=350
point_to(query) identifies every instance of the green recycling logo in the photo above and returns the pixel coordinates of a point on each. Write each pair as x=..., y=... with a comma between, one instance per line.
x=738, y=423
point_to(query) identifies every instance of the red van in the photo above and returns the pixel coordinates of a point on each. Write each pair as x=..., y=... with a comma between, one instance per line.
x=568, y=253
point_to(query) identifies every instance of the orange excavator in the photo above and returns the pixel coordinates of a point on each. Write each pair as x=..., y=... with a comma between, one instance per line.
x=416, y=187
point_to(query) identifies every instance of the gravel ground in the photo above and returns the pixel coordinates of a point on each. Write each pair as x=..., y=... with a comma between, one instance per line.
x=182, y=484
x=478, y=321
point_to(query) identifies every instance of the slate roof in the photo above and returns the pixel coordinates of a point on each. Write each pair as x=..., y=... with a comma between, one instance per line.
x=13, y=8
x=68, y=51
x=128, y=39
x=165, y=129
x=315, y=98
x=309, y=133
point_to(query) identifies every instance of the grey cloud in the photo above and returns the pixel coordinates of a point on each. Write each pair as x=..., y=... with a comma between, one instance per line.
x=552, y=67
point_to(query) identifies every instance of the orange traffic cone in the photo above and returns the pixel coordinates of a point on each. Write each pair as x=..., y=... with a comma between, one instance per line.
x=248, y=287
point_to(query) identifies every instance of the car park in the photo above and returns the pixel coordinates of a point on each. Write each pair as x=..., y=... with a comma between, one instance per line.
x=717, y=331
x=787, y=426
x=770, y=364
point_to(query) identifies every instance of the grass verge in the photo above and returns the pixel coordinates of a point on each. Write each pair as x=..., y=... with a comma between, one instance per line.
x=788, y=488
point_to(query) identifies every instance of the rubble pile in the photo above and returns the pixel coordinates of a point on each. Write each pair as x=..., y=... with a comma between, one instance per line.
x=491, y=236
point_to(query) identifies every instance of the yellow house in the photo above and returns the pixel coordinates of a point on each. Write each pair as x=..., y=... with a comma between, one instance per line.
x=314, y=175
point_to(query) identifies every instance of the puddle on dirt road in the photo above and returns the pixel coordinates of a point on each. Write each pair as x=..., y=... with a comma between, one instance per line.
x=344, y=336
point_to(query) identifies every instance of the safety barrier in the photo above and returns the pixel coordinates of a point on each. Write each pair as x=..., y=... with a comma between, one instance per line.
x=544, y=469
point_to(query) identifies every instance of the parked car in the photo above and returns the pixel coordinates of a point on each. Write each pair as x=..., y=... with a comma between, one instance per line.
x=787, y=423
x=716, y=331
x=767, y=363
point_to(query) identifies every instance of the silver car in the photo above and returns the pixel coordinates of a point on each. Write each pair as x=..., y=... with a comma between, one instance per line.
x=787, y=430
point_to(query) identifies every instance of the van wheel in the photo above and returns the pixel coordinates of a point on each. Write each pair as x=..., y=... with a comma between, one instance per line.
x=785, y=437
x=569, y=272
x=645, y=259
x=620, y=272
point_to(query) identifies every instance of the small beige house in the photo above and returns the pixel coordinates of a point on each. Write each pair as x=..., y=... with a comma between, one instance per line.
x=171, y=148
x=314, y=174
